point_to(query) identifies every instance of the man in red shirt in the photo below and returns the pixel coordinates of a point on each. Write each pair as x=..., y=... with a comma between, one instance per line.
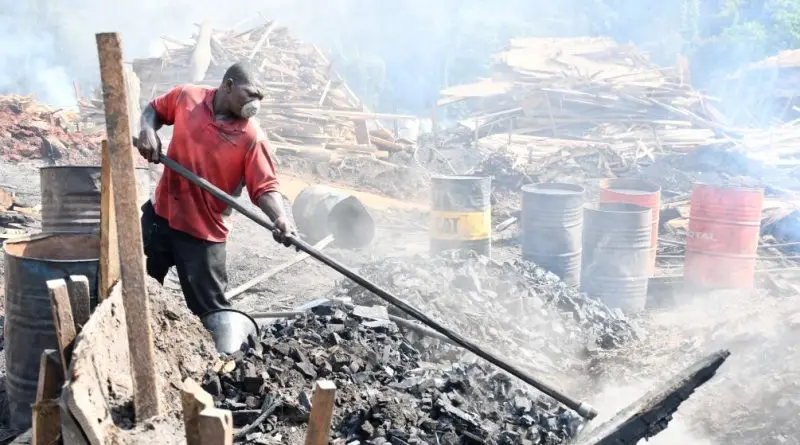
x=214, y=137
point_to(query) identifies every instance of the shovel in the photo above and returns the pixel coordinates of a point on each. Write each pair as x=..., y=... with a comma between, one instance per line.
x=581, y=408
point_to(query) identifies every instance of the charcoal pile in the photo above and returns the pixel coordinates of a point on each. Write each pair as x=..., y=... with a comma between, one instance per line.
x=520, y=309
x=29, y=130
x=385, y=392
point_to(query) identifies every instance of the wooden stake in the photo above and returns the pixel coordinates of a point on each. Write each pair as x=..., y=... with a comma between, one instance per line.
x=46, y=427
x=319, y=422
x=109, y=244
x=134, y=292
x=62, y=319
x=78, y=286
x=205, y=425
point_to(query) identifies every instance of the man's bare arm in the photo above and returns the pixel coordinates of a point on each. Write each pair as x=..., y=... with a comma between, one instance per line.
x=150, y=119
x=271, y=203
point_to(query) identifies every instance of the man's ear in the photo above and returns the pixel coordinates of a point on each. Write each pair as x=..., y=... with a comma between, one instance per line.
x=228, y=83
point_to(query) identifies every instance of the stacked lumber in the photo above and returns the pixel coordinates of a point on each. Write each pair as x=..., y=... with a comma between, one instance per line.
x=555, y=96
x=307, y=107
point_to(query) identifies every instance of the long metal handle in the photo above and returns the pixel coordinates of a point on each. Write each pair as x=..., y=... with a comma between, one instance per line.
x=583, y=409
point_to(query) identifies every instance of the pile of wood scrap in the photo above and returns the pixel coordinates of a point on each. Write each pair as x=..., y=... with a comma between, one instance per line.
x=16, y=217
x=558, y=98
x=308, y=107
x=30, y=130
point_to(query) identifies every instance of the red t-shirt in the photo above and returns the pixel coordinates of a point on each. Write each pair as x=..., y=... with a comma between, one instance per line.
x=224, y=153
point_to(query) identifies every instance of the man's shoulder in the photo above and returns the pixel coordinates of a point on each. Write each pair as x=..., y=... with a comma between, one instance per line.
x=254, y=133
x=194, y=93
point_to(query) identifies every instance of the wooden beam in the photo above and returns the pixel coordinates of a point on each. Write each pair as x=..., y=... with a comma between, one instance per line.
x=205, y=425
x=319, y=422
x=146, y=400
x=109, y=247
x=63, y=321
x=46, y=428
x=78, y=286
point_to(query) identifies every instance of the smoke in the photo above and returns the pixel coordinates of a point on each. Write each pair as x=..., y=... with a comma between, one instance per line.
x=753, y=397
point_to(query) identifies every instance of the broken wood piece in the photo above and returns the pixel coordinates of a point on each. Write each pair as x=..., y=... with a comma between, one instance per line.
x=78, y=286
x=204, y=424
x=147, y=403
x=50, y=375
x=109, y=244
x=46, y=419
x=362, y=133
x=62, y=319
x=319, y=421
x=262, y=40
x=46, y=423
x=201, y=55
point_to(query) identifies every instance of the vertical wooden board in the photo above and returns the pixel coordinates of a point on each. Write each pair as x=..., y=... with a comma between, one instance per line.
x=215, y=427
x=78, y=286
x=319, y=422
x=109, y=244
x=147, y=403
x=46, y=422
x=50, y=375
x=63, y=321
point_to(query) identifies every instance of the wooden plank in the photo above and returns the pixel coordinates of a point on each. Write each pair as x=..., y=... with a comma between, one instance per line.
x=46, y=429
x=109, y=247
x=134, y=292
x=62, y=319
x=78, y=286
x=204, y=424
x=319, y=421
x=50, y=375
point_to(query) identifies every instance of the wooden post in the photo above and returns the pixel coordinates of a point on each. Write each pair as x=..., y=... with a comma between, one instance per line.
x=319, y=422
x=62, y=320
x=205, y=425
x=109, y=244
x=46, y=427
x=131, y=254
x=78, y=286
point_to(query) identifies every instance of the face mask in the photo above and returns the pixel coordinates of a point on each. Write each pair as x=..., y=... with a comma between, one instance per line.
x=251, y=108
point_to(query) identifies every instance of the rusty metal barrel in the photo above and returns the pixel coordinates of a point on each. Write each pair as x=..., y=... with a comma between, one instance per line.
x=639, y=192
x=552, y=221
x=29, y=263
x=71, y=197
x=615, y=263
x=320, y=211
x=461, y=214
x=722, y=238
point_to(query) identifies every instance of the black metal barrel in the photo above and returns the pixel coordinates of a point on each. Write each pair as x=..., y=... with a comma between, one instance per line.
x=615, y=264
x=552, y=220
x=71, y=197
x=29, y=263
x=461, y=214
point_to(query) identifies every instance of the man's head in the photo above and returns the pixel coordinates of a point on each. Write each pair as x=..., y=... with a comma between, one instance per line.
x=242, y=95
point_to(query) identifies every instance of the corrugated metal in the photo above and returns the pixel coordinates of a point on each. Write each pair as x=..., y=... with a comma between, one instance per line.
x=71, y=197
x=29, y=263
x=639, y=192
x=723, y=234
x=616, y=254
x=461, y=214
x=552, y=221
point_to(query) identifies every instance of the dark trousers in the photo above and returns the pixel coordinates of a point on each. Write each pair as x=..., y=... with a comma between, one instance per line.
x=200, y=263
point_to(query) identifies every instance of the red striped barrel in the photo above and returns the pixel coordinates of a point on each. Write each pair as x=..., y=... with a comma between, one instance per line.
x=722, y=238
x=639, y=192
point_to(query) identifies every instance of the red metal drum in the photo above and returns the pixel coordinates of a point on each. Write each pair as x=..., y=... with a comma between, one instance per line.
x=723, y=234
x=639, y=192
